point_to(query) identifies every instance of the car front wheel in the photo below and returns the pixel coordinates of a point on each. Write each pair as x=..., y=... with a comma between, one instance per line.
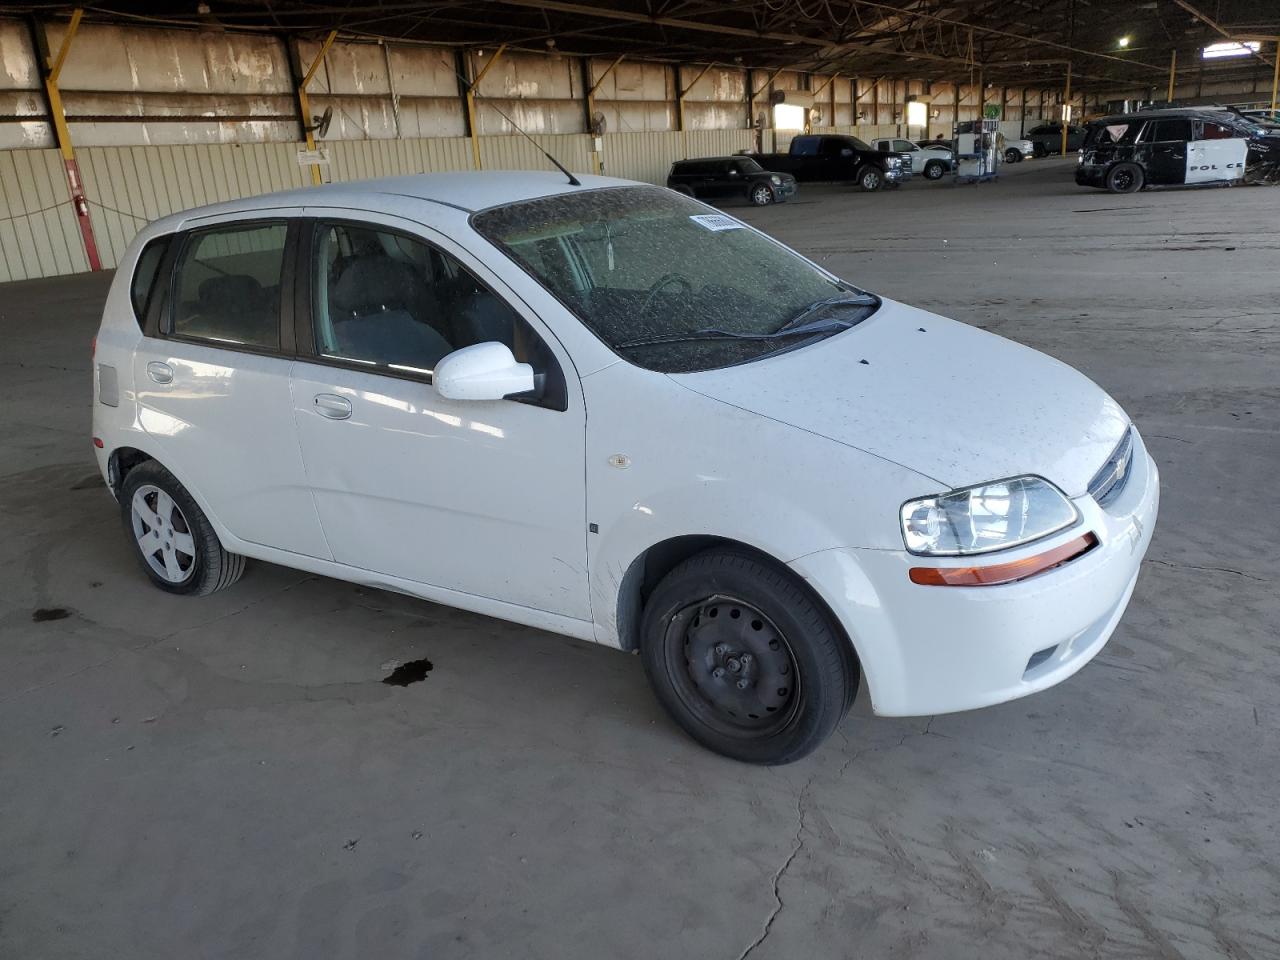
x=1012, y=156
x=745, y=659
x=173, y=538
x=934, y=169
x=870, y=179
x=761, y=195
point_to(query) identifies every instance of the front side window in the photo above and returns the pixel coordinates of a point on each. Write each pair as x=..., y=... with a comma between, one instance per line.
x=386, y=300
x=805, y=146
x=1210, y=130
x=227, y=286
x=665, y=282
x=748, y=167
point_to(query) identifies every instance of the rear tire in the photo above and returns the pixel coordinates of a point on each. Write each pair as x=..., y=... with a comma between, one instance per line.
x=744, y=659
x=761, y=195
x=870, y=179
x=171, y=535
x=1125, y=178
x=934, y=169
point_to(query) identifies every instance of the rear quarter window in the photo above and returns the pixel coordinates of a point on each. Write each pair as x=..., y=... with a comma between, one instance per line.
x=143, y=286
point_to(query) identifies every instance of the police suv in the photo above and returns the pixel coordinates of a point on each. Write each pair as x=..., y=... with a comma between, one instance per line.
x=1174, y=147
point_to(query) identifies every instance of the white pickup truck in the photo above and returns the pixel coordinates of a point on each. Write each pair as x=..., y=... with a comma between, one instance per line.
x=932, y=160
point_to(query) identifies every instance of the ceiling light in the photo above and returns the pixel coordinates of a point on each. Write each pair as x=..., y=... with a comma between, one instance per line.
x=1123, y=42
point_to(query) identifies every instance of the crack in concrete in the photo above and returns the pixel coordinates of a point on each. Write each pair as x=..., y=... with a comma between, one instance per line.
x=797, y=846
x=1191, y=566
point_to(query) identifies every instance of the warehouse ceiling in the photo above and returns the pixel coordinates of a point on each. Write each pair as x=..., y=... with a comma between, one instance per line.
x=1109, y=43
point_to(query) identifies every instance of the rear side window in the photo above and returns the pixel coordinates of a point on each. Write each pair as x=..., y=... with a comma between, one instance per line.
x=805, y=146
x=1160, y=131
x=143, y=286
x=227, y=285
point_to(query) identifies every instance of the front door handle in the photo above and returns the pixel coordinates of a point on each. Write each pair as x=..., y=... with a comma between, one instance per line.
x=332, y=406
x=160, y=372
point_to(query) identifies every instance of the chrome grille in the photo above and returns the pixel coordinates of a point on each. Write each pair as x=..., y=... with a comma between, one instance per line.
x=1109, y=481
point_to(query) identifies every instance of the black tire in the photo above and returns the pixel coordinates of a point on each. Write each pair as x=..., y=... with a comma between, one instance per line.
x=760, y=195
x=773, y=629
x=1125, y=178
x=1012, y=155
x=870, y=179
x=208, y=567
x=934, y=170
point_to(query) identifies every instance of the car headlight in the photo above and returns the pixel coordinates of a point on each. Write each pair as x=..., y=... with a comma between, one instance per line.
x=776, y=179
x=991, y=516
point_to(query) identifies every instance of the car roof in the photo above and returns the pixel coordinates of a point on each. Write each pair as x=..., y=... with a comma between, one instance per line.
x=1167, y=112
x=708, y=160
x=469, y=191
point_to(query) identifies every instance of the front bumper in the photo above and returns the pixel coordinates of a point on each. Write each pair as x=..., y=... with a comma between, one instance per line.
x=928, y=649
x=897, y=174
x=784, y=190
x=1091, y=175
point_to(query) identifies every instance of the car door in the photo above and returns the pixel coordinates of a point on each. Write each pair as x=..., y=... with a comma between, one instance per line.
x=482, y=497
x=1166, y=147
x=211, y=376
x=1217, y=152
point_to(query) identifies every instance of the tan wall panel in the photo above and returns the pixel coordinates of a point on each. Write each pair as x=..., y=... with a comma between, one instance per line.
x=39, y=236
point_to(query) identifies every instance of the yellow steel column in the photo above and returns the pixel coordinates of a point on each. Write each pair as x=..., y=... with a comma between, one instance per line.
x=471, y=105
x=1275, y=79
x=51, y=71
x=591, y=106
x=304, y=102
x=1173, y=73
x=1066, y=103
x=681, y=93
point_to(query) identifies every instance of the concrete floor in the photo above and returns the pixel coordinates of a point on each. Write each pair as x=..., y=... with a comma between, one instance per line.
x=227, y=777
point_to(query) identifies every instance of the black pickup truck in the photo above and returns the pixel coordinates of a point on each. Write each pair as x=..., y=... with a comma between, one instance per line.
x=838, y=158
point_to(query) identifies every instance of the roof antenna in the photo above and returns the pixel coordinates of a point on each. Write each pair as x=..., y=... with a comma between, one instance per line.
x=574, y=181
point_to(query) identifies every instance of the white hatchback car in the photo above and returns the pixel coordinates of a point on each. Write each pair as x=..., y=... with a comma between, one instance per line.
x=607, y=410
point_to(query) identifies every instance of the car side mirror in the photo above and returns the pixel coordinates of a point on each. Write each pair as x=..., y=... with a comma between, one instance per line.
x=733, y=172
x=482, y=371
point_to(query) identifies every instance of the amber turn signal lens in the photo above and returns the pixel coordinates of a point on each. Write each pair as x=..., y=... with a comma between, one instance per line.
x=998, y=573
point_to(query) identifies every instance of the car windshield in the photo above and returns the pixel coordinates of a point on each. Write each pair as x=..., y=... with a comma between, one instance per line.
x=669, y=283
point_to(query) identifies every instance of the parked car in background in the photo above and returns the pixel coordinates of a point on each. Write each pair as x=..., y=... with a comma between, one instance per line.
x=929, y=159
x=838, y=159
x=717, y=177
x=1176, y=147
x=607, y=410
x=1046, y=139
x=1015, y=150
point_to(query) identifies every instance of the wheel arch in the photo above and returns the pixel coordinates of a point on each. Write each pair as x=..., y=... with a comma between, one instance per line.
x=656, y=561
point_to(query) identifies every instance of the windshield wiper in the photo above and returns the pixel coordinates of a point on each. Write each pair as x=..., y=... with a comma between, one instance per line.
x=858, y=300
x=819, y=326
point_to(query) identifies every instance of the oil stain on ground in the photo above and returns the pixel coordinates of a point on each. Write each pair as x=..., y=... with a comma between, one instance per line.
x=408, y=673
x=53, y=613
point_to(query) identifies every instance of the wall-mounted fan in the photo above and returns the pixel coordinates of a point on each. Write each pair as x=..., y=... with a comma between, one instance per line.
x=320, y=125
x=599, y=123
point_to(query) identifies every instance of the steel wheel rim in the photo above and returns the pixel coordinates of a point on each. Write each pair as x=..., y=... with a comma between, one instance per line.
x=762, y=195
x=163, y=535
x=732, y=667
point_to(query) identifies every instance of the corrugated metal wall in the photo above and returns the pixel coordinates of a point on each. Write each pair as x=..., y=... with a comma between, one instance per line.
x=165, y=120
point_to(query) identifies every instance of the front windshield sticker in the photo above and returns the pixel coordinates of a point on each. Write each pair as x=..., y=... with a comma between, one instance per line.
x=715, y=222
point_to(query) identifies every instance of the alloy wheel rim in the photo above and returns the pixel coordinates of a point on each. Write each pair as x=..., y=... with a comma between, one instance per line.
x=163, y=535
x=731, y=660
x=762, y=195
x=1124, y=179
x=869, y=181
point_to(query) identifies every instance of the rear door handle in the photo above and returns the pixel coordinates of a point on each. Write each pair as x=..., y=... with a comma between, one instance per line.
x=332, y=406
x=160, y=372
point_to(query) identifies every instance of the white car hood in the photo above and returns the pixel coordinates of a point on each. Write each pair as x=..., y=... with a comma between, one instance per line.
x=949, y=401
